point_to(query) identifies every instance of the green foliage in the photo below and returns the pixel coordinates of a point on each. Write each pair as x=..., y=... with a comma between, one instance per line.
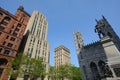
x=36, y=68
x=65, y=71
x=16, y=62
x=14, y=74
x=76, y=73
x=23, y=64
x=53, y=73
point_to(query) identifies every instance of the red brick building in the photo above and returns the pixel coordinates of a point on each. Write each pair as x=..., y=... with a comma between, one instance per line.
x=12, y=28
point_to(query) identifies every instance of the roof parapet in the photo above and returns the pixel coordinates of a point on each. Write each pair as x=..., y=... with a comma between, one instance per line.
x=92, y=44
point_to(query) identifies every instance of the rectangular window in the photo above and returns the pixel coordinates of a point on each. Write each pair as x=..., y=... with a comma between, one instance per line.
x=12, y=39
x=31, y=50
x=15, y=47
x=19, y=25
x=4, y=43
x=18, y=41
x=28, y=49
x=10, y=31
x=33, y=39
x=0, y=33
x=1, y=71
x=0, y=49
x=12, y=53
x=7, y=37
x=10, y=45
x=1, y=28
x=4, y=23
x=17, y=29
x=1, y=14
x=6, y=52
x=14, y=34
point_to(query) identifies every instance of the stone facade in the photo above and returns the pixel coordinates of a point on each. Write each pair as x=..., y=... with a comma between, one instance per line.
x=12, y=28
x=35, y=40
x=61, y=56
x=99, y=60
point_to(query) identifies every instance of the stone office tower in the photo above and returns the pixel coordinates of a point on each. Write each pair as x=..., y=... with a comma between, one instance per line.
x=61, y=56
x=35, y=39
x=100, y=60
x=12, y=28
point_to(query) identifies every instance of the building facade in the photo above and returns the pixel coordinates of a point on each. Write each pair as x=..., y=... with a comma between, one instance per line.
x=35, y=40
x=12, y=28
x=99, y=60
x=61, y=56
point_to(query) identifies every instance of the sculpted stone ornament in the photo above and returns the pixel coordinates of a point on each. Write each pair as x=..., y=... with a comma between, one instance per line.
x=107, y=71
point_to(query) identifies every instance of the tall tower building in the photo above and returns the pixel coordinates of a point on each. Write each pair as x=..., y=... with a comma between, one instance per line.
x=12, y=28
x=78, y=43
x=61, y=56
x=35, y=39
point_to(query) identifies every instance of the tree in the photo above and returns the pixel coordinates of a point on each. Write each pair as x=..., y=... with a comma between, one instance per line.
x=36, y=68
x=30, y=67
x=76, y=73
x=52, y=73
x=65, y=71
x=15, y=63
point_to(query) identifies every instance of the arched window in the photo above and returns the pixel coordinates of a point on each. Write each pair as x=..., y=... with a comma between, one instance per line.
x=3, y=61
x=7, y=18
x=94, y=70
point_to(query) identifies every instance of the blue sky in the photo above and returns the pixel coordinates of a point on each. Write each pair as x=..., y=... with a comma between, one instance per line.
x=67, y=16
